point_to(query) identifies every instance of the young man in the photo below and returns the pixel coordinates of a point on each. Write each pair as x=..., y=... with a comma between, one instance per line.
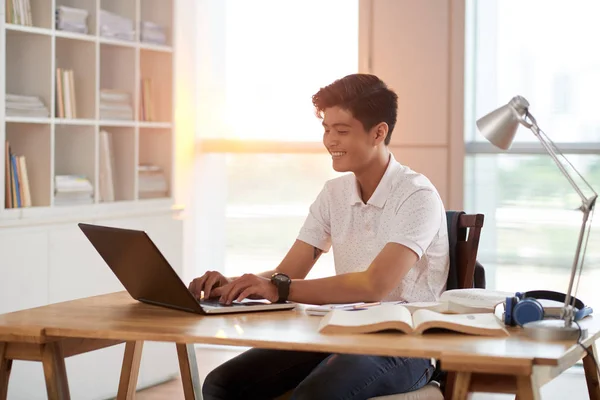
x=387, y=227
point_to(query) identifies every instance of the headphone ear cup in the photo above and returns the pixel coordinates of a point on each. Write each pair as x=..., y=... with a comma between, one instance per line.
x=509, y=310
x=527, y=310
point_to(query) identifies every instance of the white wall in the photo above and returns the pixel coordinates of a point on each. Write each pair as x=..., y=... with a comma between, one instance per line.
x=417, y=48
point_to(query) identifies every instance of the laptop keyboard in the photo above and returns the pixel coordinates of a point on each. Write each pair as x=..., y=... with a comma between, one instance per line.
x=216, y=303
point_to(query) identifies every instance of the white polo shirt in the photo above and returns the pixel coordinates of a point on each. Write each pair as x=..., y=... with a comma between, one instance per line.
x=405, y=208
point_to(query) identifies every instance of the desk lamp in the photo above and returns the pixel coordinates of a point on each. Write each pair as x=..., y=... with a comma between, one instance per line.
x=499, y=128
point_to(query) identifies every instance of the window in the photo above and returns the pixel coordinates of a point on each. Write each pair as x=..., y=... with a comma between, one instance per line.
x=264, y=164
x=514, y=48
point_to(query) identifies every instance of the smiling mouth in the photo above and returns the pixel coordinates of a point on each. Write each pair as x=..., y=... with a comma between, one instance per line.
x=337, y=154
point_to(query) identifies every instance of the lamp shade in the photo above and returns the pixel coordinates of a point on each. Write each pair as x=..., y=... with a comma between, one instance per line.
x=500, y=126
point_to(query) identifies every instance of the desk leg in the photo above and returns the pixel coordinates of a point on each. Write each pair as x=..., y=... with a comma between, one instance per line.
x=130, y=370
x=591, y=373
x=55, y=371
x=527, y=389
x=189, y=371
x=461, y=386
x=5, y=366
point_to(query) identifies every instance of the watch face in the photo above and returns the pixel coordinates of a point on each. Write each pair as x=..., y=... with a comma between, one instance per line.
x=280, y=278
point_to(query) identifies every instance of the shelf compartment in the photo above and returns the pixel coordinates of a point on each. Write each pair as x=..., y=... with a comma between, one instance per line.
x=121, y=149
x=157, y=69
x=34, y=142
x=28, y=66
x=80, y=57
x=117, y=75
x=156, y=148
x=121, y=8
x=74, y=151
x=41, y=15
x=159, y=12
x=86, y=5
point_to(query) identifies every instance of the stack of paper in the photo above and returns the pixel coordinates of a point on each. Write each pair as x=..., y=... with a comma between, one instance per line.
x=115, y=104
x=72, y=190
x=71, y=19
x=152, y=182
x=25, y=106
x=116, y=26
x=153, y=33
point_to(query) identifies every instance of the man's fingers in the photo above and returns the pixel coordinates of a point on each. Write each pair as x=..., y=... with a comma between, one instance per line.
x=246, y=293
x=208, y=285
x=236, y=289
x=196, y=286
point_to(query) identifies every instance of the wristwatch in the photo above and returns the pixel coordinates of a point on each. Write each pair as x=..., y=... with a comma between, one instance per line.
x=283, y=282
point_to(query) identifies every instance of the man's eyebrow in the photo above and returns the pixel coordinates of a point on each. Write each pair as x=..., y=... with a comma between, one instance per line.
x=337, y=124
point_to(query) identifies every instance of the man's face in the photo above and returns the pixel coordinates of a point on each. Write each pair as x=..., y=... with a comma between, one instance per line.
x=350, y=146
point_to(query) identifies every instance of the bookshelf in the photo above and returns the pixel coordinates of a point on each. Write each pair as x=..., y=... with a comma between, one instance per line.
x=80, y=74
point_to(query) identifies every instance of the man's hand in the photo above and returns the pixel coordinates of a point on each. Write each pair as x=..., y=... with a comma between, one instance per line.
x=207, y=283
x=247, y=286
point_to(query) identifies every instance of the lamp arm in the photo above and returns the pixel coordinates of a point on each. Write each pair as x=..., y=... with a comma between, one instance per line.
x=587, y=206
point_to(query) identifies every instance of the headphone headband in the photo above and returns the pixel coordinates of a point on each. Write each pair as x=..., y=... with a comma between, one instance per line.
x=551, y=295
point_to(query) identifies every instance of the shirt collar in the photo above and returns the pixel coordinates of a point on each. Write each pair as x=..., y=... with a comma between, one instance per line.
x=382, y=192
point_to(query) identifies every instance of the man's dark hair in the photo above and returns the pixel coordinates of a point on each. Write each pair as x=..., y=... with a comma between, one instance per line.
x=366, y=96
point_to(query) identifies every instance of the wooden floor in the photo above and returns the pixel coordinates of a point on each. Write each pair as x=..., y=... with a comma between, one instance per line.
x=569, y=385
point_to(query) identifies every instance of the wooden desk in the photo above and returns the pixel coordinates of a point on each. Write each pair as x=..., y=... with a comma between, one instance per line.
x=50, y=333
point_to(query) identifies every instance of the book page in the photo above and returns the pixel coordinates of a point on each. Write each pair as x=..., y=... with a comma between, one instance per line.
x=474, y=324
x=371, y=319
x=479, y=298
x=426, y=305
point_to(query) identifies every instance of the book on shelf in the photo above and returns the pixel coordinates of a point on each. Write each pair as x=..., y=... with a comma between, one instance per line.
x=66, y=103
x=72, y=190
x=71, y=19
x=18, y=12
x=152, y=182
x=19, y=105
x=146, y=109
x=115, y=105
x=396, y=317
x=152, y=32
x=116, y=26
x=107, y=168
x=16, y=180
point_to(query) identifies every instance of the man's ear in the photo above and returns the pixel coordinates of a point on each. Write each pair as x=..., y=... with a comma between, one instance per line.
x=379, y=132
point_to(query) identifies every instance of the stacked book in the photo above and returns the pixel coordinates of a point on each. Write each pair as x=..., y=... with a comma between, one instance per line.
x=71, y=19
x=153, y=33
x=16, y=180
x=146, y=108
x=18, y=12
x=116, y=26
x=25, y=106
x=107, y=168
x=115, y=104
x=65, y=94
x=151, y=182
x=72, y=190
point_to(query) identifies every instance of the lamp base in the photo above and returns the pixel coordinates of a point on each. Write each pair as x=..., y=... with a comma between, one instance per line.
x=553, y=330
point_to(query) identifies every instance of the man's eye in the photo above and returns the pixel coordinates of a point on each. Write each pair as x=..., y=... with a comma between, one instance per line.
x=343, y=132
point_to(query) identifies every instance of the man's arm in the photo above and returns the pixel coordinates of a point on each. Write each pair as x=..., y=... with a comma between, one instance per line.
x=383, y=275
x=298, y=261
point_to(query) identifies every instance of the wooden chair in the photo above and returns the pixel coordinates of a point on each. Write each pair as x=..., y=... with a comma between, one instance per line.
x=465, y=272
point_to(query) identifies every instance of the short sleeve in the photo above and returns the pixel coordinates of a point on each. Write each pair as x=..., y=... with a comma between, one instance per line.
x=417, y=221
x=316, y=230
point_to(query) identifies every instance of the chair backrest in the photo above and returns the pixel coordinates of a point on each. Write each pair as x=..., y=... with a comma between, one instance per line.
x=464, y=231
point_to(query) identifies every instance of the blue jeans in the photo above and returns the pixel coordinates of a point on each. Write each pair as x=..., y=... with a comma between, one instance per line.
x=266, y=374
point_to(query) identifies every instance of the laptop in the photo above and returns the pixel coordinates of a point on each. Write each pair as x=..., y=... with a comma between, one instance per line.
x=149, y=278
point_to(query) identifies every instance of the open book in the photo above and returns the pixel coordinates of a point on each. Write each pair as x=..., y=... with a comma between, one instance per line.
x=463, y=301
x=398, y=317
x=457, y=301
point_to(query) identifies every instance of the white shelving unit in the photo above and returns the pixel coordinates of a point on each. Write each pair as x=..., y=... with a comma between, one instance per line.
x=53, y=145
